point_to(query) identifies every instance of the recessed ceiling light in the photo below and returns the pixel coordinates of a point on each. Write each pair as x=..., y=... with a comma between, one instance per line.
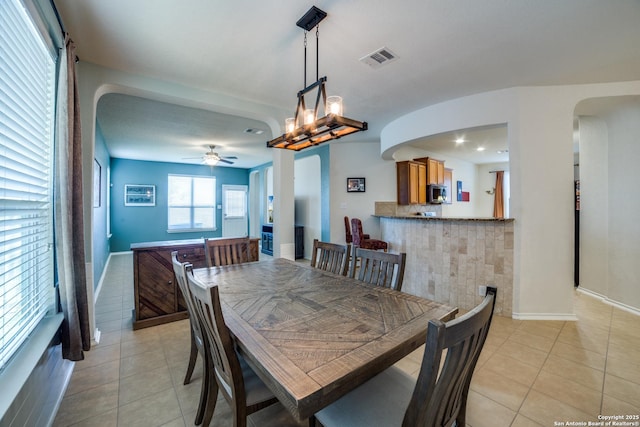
x=480, y=149
x=502, y=151
x=459, y=140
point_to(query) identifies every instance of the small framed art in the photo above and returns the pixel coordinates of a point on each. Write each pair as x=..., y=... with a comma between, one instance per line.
x=139, y=195
x=355, y=185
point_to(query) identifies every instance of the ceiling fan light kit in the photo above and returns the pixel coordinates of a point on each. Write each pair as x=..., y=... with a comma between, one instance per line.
x=305, y=129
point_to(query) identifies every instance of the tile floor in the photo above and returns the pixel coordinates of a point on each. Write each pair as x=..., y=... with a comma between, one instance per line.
x=530, y=373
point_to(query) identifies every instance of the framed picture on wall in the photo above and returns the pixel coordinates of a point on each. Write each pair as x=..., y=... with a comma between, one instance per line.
x=355, y=185
x=139, y=195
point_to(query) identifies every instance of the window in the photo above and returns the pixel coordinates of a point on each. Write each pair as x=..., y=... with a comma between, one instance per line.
x=192, y=203
x=27, y=83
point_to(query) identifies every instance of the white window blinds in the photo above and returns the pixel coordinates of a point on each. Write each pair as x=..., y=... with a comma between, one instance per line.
x=27, y=85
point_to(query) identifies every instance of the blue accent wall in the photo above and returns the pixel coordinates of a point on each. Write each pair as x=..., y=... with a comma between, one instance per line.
x=135, y=224
x=100, y=238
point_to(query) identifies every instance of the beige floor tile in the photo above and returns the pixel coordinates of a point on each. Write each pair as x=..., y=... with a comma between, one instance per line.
x=108, y=338
x=546, y=329
x=140, y=335
x=522, y=421
x=623, y=354
x=99, y=355
x=580, y=355
x=487, y=351
x=528, y=355
x=627, y=367
x=88, y=404
x=546, y=410
x=534, y=341
x=107, y=419
x=131, y=348
x=154, y=410
x=141, y=363
x=625, y=340
x=409, y=366
x=572, y=371
x=622, y=389
x=613, y=406
x=512, y=368
x=479, y=406
x=144, y=384
x=591, y=339
x=86, y=379
x=501, y=389
x=570, y=392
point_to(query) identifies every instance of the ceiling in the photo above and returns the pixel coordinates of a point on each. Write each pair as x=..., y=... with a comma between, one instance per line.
x=252, y=51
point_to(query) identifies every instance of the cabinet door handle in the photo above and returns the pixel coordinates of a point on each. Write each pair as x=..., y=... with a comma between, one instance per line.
x=170, y=282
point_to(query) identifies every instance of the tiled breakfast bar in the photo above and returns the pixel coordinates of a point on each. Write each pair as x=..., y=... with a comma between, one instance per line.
x=449, y=258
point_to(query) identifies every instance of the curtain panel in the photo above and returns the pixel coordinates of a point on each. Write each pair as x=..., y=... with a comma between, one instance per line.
x=498, y=201
x=69, y=229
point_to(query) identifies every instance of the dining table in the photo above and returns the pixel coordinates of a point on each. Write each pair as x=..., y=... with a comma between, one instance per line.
x=311, y=335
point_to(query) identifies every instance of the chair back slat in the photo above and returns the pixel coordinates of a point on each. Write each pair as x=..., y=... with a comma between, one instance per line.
x=179, y=269
x=220, y=252
x=226, y=365
x=330, y=257
x=378, y=268
x=440, y=395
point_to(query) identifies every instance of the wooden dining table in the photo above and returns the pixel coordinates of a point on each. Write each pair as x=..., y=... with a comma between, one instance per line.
x=312, y=336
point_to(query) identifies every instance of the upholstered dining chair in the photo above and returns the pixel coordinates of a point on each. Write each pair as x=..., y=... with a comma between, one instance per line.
x=226, y=251
x=438, y=397
x=330, y=257
x=229, y=373
x=378, y=268
x=348, y=237
x=197, y=342
x=360, y=241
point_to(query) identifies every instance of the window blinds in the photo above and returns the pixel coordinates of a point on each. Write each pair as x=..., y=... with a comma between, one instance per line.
x=27, y=73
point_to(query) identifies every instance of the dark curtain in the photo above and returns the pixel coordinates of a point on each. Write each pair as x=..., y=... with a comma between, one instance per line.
x=498, y=201
x=69, y=224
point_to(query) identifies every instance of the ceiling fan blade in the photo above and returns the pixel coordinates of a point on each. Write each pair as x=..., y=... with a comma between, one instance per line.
x=229, y=157
x=191, y=158
x=225, y=161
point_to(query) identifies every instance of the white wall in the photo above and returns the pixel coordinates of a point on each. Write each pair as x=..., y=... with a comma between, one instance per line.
x=594, y=204
x=540, y=140
x=624, y=206
x=306, y=189
x=359, y=160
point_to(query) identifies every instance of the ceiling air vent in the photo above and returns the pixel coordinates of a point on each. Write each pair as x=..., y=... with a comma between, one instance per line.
x=254, y=131
x=379, y=58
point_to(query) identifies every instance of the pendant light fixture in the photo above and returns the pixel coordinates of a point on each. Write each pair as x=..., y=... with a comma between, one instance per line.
x=307, y=128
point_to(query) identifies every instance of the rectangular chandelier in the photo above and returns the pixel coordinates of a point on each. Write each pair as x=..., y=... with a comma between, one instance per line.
x=307, y=128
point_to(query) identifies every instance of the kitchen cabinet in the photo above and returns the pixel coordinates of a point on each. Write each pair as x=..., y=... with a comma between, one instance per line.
x=435, y=170
x=157, y=297
x=411, y=183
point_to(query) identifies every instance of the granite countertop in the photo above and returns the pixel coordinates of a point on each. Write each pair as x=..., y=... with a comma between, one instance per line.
x=441, y=218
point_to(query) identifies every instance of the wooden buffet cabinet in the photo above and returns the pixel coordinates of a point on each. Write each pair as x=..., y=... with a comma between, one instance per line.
x=157, y=298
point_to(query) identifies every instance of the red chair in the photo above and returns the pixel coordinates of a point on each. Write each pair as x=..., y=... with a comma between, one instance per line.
x=348, y=238
x=360, y=241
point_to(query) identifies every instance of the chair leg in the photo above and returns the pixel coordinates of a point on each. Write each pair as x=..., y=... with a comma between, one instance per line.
x=312, y=421
x=204, y=391
x=212, y=393
x=192, y=360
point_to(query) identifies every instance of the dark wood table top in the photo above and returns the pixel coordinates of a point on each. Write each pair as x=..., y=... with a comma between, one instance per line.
x=312, y=336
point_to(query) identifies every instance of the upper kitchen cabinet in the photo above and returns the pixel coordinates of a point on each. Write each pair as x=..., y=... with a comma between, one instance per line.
x=435, y=170
x=412, y=182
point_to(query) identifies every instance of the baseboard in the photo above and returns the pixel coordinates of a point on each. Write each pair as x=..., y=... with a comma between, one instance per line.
x=607, y=300
x=565, y=317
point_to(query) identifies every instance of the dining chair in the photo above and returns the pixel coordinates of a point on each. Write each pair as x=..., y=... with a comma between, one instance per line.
x=330, y=257
x=360, y=241
x=229, y=373
x=378, y=268
x=197, y=341
x=438, y=397
x=348, y=237
x=219, y=252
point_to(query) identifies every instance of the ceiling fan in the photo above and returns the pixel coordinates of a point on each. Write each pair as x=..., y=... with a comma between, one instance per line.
x=212, y=158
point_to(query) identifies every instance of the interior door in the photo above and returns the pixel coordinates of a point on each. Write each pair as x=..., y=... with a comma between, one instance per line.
x=234, y=211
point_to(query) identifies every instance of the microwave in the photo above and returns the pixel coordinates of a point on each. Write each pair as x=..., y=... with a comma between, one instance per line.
x=437, y=193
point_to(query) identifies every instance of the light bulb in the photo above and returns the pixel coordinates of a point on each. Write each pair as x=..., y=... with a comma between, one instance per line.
x=334, y=105
x=309, y=115
x=289, y=124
